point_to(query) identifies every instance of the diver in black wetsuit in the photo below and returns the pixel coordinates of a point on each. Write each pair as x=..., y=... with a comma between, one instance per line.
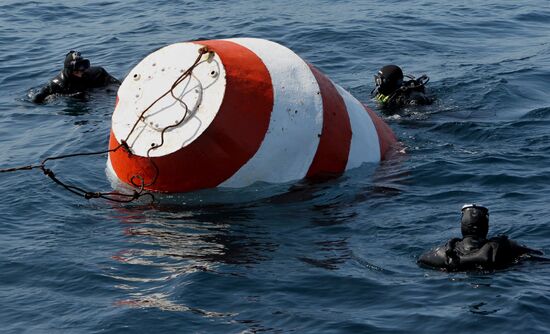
x=392, y=91
x=474, y=251
x=76, y=77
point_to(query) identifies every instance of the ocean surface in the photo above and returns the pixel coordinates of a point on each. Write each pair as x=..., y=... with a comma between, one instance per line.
x=331, y=257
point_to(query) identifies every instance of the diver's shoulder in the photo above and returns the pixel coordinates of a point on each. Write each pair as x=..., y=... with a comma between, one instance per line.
x=60, y=79
x=57, y=84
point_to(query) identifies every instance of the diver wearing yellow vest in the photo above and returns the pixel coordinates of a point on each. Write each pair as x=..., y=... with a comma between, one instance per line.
x=391, y=90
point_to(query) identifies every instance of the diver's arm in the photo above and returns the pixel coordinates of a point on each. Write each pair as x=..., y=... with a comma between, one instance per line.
x=519, y=250
x=112, y=80
x=442, y=257
x=418, y=98
x=56, y=86
x=498, y=251
x=46, y=91
x=434, y=258
x=108, y=78
x=100, y=77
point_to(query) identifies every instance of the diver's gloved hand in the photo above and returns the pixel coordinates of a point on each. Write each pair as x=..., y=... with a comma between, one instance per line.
x=78, y=95
x=452, y=258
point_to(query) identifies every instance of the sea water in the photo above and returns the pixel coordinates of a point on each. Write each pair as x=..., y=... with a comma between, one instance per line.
x=330, y=257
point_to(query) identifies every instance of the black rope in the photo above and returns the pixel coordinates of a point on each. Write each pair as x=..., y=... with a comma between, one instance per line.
x=171, y=90
x=154, y=146
x=117, y=196
x=15, y=169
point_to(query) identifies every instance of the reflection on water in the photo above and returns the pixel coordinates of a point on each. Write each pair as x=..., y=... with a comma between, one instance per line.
x=172, y=245
x=162, y=302
x=221, y=260
x=335, y=253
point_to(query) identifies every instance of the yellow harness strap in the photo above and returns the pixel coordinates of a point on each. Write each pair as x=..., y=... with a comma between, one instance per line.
x=382, y=98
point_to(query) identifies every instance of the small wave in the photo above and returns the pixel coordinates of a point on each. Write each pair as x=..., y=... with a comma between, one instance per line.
x=539, y=113
x=540, y=16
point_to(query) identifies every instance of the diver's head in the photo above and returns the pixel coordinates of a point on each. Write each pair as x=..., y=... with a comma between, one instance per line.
x=75, y=64
x=388, y=79
x=475, y=221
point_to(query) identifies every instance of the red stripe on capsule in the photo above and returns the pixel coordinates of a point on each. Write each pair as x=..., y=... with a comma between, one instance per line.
x=226, y=145
x=386, y=137
x=335, y=139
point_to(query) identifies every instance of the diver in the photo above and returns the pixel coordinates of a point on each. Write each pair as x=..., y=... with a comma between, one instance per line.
x=392, y=91
x=474, y=251
x=76, y=77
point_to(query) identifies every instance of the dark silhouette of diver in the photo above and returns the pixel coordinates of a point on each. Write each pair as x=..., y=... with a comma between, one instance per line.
x=474, y=251
x=76, y=77
x=392, y=91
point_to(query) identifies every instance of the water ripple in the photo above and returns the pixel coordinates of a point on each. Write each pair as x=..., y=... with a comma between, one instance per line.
x=336, y=256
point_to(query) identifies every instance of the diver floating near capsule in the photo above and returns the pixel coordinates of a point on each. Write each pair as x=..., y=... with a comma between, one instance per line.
x=392, y=91
x=76, y=77
x=474, y=251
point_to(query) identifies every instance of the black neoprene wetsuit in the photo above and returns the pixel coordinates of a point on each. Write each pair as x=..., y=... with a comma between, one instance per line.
x=473, y=253
x=411, y=92
x=63, y=83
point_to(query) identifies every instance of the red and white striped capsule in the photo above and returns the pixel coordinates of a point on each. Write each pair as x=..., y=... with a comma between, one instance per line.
x=256, y=111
